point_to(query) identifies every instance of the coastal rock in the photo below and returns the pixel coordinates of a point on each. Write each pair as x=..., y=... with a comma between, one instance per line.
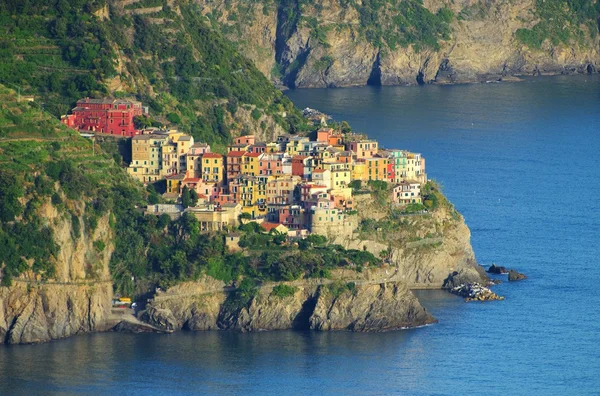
x=515, y=276
x=160, y=318
x=426, y=251
x=483, y=45
x=496, y=269
x=368, y=308
x=475, y=292
x=190, y=305
x=77, y=301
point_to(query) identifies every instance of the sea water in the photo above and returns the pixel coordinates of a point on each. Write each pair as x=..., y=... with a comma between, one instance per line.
x=520, y=162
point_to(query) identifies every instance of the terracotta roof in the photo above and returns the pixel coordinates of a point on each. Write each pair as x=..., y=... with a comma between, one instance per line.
x=300, y=157
x=319, y=170
x=211, y=155
x=236, y=153
x=254, y=155
x=191, y=180
x=270, y=226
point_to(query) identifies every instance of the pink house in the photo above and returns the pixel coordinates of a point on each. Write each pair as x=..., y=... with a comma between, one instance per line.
x=246, y=140
x=270, y=164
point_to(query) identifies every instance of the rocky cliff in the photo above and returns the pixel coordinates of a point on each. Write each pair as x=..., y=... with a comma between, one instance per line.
x=76, y=300
x=344, y=43
x=364, y=307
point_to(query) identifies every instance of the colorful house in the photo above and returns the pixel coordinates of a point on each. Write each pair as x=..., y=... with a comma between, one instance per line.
x=407, y=192
x=105, y=116
x=322, y=177
x=363, y=148
x=213, y=168
x=146, y=157
x=251, y=164
x=280, y=190
x=270, y=164
x=234, y=164
x=376, y=168
x=301, y=166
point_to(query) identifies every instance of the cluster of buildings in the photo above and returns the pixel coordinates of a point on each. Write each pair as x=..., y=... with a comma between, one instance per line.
x=113, y=117
x=294, y=183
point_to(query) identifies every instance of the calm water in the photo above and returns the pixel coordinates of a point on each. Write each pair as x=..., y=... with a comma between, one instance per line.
x=520, y=162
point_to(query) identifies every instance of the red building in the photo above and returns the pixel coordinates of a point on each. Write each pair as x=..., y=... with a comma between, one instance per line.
x=301, y=166
x=107, y=116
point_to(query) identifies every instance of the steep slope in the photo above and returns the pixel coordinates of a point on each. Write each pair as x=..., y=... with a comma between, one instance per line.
x=391, y=42
x=57, y=226
x=163, y=52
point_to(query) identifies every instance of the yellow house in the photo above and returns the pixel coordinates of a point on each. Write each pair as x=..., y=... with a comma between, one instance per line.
x=376, y=169
x=296, y=144
x=251, y=194
x=359, y=170
x=340, y=178
x=272, y=147
x=213, y=168
x=250, y=164
x=174, y=183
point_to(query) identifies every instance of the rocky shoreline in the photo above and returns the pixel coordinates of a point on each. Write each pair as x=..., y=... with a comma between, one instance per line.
x=362, y=308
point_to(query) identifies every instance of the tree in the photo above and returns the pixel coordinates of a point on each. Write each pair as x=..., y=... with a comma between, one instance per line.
x=186, y=197
x=173, y=118
x=345, y=127
x=142, y=122
x=193, y=197
x=11, y=189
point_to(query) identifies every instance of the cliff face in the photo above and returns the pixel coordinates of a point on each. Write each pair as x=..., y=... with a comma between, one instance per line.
x=422, y=251
x=365, y=307
x=77, y=300
x=376, y=307
x=331, y=43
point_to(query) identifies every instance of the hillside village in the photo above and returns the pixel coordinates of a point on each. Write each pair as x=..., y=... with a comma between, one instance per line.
x=295, y=185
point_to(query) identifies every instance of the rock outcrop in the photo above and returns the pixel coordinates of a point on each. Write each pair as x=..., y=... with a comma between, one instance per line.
x=432, y=251
x=77, y=300
x=324, y=44
x=497, y=269
x=368, y=307
x=378, y=307
x=515, y=275
x=40, y=313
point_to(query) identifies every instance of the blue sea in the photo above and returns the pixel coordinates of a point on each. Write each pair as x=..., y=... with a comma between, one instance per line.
x=520, y=161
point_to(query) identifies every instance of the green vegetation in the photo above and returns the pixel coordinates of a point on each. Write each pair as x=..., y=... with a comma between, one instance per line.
x=384, y=23
x=338, y=288
x=561, y=22
x=283, y=291
x=67, y=173
x=403, y=23
x=186, y=72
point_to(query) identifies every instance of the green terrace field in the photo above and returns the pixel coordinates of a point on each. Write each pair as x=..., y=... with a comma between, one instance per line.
x=163, y=53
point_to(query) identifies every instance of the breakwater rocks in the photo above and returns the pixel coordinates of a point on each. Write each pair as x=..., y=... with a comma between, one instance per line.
x=475, y=292
x=335, y=306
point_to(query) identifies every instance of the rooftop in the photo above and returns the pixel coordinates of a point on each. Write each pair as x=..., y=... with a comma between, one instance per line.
x=211, y=155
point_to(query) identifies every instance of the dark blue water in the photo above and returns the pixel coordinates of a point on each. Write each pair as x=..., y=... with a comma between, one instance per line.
x=520, y=162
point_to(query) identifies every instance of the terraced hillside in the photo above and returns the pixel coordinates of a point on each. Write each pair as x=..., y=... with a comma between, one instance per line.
x=162, y=52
